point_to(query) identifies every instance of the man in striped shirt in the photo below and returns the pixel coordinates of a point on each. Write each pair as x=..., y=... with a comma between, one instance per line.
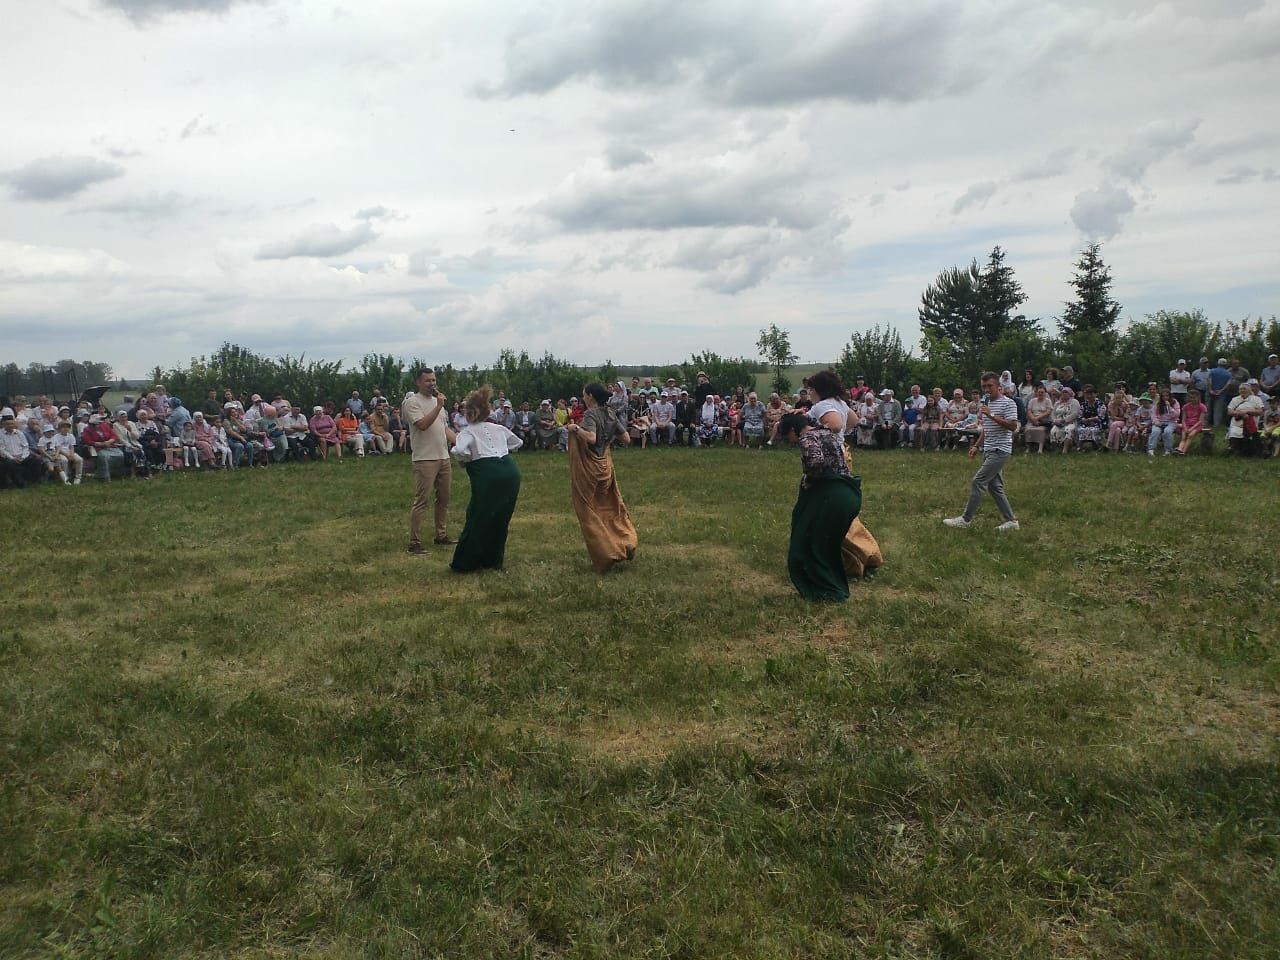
x=998, y=418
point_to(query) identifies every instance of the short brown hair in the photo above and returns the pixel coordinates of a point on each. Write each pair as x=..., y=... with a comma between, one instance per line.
x=988, y=375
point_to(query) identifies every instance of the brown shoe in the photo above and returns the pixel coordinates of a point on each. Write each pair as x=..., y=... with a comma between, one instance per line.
x=415, y=548
x=445, y=541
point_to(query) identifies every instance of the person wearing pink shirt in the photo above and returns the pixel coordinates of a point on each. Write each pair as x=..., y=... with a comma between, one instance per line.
x=1195, y=417
x=325, y=431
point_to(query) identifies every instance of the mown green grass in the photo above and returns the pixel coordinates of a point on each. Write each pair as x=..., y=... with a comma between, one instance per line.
x=240, y=721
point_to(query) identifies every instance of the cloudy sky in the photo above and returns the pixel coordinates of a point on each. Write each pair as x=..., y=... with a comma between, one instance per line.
x=629, y=180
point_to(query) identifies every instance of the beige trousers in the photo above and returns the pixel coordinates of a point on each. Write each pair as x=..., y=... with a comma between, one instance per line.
x=429, y=475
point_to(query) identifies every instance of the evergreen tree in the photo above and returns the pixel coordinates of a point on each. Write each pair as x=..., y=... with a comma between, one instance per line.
x=966, y=310
x=951, y=318
x=999, y=295
x=1093, y=310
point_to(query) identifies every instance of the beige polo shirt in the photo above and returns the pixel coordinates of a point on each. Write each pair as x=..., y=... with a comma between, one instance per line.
x=430, y=444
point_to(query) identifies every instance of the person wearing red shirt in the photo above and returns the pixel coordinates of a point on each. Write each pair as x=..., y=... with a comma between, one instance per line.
x=349, y=431
x=104, y=446
x=859, y=390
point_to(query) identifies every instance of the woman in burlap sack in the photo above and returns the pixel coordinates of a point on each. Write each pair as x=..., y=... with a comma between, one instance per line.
x=607, y=529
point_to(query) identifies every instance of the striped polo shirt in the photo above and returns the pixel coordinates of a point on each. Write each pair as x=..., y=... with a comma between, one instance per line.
x=996, y=437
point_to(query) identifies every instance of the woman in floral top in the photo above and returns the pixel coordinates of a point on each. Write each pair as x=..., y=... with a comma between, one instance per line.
x=1093, y=420
x=829, y=500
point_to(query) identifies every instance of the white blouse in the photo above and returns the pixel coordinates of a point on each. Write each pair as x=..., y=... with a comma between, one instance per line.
x=830, y=405
x=480, y=441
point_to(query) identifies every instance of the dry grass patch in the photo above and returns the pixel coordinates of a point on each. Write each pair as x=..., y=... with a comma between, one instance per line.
x=630, y=738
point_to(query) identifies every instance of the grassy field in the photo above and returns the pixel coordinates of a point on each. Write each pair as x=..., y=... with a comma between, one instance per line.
x=239, y=721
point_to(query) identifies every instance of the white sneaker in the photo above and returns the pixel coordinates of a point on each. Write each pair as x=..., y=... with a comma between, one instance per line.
x=956, y=522
x=75, y=482
x=1007, y=526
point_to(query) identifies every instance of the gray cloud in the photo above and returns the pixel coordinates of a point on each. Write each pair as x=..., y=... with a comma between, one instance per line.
x=151, y=206
x=141, y=11
x=625, y=43
x=1054, y=165
x=1239, y=175
x=378, y=212
x=524, y=305
x=1097, y=212
x=741, y=258
x=196, y=127
x=1217, y=9
x=895, y=53
x=621, y=155
x=1206, y=153
x=1200, y=9
x=693, y=194
x=976, y=196
x=319, y=240
x=889, y=52
x=731, y=261
x=114, y=150
x=59, y=178
x=1152, y=143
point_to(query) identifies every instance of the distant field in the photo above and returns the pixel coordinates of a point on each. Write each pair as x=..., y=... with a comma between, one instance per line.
x=239, y=721
x=796, y=374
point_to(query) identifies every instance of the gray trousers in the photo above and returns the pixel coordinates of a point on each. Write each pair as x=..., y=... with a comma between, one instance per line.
x=989, y=478
x=668, y=428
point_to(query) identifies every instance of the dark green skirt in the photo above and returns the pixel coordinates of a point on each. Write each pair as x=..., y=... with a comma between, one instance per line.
x=495, y=486
x=819, y=521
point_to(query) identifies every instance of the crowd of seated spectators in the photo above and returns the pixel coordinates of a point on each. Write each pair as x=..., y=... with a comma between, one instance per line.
x=1058, y=412
x=157, y=433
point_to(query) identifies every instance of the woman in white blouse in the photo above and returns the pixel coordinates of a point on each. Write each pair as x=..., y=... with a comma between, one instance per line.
x=484, y=449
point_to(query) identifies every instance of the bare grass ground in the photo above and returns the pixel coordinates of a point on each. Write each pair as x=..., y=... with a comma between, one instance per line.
x=240, y=721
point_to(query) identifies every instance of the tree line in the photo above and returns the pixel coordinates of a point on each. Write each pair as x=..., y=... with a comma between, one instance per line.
x=522, y=377
x=63, y=378
x=969, y=322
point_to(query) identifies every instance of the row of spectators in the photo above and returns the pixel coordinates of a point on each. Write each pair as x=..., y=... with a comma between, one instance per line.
x=1059, y=411
x=1055, y=410
x=157, y=432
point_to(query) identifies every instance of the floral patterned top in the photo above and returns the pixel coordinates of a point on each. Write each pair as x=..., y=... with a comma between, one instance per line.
x=822, y=454
x=1093, y=413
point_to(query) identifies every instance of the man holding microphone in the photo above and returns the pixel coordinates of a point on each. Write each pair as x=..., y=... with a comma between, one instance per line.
x=431, y=437
x=998, y=418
